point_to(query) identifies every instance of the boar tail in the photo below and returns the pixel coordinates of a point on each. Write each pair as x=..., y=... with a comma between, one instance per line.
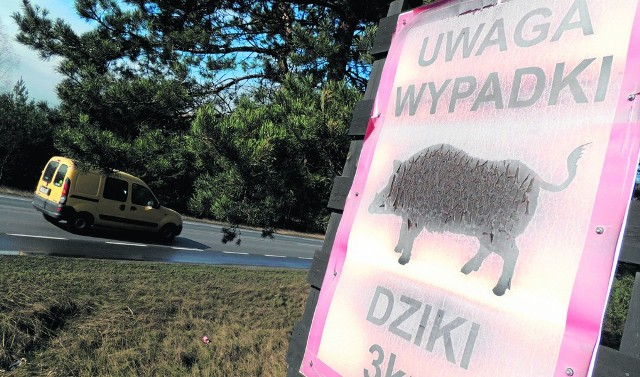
x=572, y=168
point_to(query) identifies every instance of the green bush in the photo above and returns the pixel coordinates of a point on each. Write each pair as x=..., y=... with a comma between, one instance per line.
x=618, y=306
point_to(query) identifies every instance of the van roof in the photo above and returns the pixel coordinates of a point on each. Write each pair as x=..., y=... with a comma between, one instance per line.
x=116, y=173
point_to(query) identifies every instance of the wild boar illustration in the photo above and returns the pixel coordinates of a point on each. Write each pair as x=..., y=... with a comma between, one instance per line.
x=443, y=189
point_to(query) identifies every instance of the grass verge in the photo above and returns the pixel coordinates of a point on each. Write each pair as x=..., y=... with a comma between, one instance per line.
x=79, y=317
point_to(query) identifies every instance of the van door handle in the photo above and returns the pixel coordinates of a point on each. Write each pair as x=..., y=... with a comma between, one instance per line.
x=134, y=208
x=122, y=207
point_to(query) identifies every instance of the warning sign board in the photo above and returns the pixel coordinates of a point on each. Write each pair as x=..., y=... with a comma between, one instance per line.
x=484, y=220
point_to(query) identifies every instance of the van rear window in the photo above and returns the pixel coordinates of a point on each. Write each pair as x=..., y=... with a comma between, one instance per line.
x=62, y=171
x=48, y=172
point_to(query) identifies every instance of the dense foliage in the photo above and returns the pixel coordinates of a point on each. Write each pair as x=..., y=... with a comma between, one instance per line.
x=232, y=109
x=272, y=160
x=26, y=140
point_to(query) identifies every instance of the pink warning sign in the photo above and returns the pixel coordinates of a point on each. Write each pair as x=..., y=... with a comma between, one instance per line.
x=485, y=218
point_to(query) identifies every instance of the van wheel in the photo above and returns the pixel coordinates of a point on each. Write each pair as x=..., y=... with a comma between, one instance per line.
x=80, y=223
x=167, y=233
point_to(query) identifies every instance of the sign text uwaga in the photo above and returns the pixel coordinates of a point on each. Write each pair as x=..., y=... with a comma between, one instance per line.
x=487, y=38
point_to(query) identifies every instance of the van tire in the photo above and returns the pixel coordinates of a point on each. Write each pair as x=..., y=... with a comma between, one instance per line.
x=80, y=223
x=168, y=233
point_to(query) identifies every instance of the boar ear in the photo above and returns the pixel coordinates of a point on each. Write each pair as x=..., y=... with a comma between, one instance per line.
x=396, y=165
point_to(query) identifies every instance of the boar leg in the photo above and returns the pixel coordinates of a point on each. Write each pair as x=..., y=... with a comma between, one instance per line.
x=483, y=252
x=508, y=250
x=408, y=233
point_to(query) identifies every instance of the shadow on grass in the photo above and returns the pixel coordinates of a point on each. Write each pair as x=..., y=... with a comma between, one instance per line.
x=32, y=329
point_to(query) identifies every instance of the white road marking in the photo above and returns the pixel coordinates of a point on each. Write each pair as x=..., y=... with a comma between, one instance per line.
x=126, y=244
x=275, y=256
x=298, y=237
x=305, y=258
x=235, y=252
x=9, y=252
x=307, y=244
x=32, y=236
x=185, y=248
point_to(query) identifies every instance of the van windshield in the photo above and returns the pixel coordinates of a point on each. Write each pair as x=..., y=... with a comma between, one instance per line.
x=50, y=169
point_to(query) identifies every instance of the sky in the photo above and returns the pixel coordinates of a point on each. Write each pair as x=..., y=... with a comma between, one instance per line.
x=40, y=76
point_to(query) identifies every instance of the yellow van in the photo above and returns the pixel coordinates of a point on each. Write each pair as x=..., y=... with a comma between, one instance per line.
x=85, y=199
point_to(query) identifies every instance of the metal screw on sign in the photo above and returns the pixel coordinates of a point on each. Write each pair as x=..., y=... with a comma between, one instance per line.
x=632, y=97
x=357, y=193
x=599, y=230
x=569, y=372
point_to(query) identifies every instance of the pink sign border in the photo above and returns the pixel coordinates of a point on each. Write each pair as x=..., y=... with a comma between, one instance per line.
x=590, y=292
x=581, y=326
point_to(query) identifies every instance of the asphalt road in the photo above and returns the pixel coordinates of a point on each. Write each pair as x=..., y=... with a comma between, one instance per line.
x=23, y=230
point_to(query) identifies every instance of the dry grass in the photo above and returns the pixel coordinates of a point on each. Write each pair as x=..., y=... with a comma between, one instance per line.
x=71, y=317
x=79, y=317
x=16, y=192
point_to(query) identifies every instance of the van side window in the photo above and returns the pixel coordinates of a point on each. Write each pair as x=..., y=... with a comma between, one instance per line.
x=115, y=189
x=48, y=172
x=62, y=171
x=141, y=196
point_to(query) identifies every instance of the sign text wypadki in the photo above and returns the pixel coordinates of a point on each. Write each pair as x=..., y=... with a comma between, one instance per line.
x=534, y=28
